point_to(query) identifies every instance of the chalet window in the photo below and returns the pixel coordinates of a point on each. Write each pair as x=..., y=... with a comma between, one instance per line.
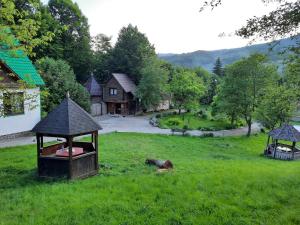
x=113, y=91
x=13, y=103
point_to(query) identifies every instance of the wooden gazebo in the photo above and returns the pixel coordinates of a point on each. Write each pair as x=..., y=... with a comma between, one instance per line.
x=287, y=133
x=70, y=158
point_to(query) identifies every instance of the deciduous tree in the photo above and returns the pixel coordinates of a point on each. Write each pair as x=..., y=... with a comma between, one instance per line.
x=60, y=79
x=276, y=106
x=131, y=52
x=245, y=84
x=152, y=88
x=186, y=88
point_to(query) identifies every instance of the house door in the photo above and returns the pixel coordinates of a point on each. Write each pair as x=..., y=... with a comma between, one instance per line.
x=118, y=108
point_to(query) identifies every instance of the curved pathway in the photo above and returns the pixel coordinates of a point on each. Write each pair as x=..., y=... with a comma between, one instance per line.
x=137, y=124
x=140, y=124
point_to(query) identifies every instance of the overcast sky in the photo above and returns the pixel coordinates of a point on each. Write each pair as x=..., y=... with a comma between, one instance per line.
x=174, y=26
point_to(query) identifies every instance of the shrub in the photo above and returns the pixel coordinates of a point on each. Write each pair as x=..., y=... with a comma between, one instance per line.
x=158, y=116
x=262, y=130
x=173, y=122
x=207, y=135
x=230, y=127
x=60, y=79
x=204, y=116
x=185, y=127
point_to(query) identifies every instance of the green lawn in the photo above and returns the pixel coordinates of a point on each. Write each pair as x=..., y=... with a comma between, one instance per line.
x=215, y=181
x=195, y=122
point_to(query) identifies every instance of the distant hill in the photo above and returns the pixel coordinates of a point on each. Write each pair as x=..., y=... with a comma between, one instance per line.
x=206, y=59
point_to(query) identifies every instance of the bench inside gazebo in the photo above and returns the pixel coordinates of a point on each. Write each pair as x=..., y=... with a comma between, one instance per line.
x=277, y=149
x=72, y=159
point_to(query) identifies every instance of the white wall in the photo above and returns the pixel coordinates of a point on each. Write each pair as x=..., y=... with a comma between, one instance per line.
x=26, y=121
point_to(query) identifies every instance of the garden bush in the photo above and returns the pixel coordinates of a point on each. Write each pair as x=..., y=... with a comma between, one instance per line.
x=173, y=122
x=207, y=135
x=158, y=116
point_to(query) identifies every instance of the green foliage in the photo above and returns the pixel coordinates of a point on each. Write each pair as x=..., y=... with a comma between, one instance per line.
x=187, y=88
x=244, y=84
x=131, y=52
x=276, y=107
x=60, y=79
x=194, y=122
x=218, y=69
x=152, y=88
x=292, y=77
x=280, y=22
x=101, y=55
x=72, y=41
x=173, y=122
x=22, y=22
x=215, y=181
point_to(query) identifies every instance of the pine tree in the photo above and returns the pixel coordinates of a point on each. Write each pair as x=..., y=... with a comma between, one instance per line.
x=218, y=69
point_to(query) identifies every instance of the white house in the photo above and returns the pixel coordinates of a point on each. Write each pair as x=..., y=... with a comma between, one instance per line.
x=20, y=107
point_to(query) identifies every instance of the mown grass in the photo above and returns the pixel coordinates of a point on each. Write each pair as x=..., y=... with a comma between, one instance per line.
x=195, y=122
x=215, y=181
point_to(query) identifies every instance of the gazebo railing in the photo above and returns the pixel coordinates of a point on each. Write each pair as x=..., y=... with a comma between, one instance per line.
x=282, y=154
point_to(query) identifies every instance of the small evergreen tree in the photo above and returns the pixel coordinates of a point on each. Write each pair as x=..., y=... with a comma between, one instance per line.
x=218, y=69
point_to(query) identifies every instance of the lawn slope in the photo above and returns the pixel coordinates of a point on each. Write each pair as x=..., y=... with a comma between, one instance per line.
x=215, y=181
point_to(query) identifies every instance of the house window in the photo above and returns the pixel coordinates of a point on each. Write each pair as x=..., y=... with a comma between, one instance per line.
x=13, y=103
x=113, y=91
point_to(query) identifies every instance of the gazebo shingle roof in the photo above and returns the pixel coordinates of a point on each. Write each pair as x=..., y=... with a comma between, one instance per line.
x=286, y=132
x=93, y=87
x=67, y=119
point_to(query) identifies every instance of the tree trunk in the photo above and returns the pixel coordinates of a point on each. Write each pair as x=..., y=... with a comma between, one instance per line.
x=179, y=112
x=232, y=120
x=249, y=123
x=161, y=164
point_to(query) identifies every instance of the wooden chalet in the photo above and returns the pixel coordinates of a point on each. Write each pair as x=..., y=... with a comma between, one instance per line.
x=275, y=149
x=119, y=95
x=71, y=158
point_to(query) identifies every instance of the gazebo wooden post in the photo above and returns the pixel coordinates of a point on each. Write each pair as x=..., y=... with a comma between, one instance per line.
x=70, y=143
x=268, y=142
x=293, y=150
x=275, y=148
x=38, y=148
x=96, y=149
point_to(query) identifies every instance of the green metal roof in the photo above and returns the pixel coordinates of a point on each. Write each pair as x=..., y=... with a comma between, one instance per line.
x=21, y=65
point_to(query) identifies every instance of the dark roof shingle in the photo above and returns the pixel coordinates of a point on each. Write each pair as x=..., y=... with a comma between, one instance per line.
x=125, y=82
x=286, y=132
x=93, y=87
x=67, y=119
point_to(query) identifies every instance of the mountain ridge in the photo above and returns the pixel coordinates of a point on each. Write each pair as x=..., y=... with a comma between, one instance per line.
x=206, y=58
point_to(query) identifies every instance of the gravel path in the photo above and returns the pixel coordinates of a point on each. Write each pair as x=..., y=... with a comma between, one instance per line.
x=139, y=124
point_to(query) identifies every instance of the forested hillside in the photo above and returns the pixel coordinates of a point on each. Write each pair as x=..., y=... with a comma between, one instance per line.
x=207, y=59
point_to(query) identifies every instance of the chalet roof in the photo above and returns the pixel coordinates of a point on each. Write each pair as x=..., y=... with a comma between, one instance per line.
x=93, y=87
x=67, y=119
x=286, y=132
x=125, y=82
x=20, y=65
